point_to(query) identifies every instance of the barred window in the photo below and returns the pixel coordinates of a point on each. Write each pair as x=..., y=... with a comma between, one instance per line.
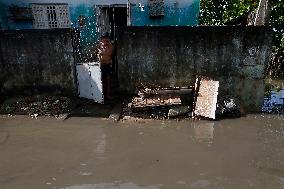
x=47, y=16
x=156, y=8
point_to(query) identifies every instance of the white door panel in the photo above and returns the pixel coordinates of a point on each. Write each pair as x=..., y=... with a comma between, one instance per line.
x=90, y=81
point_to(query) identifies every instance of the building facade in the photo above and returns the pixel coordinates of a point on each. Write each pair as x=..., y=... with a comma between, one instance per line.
x=46, y=14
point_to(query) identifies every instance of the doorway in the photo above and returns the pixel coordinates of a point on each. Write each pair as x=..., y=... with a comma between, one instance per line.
x=109, y=18
x=89, y=73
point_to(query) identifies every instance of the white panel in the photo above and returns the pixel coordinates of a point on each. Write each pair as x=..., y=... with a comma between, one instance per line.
x=207, y=98
x=84, y=81
x=90, y=81
x=96, y=82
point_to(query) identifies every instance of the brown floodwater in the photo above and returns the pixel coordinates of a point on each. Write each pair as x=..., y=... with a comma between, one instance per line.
x=92, y=153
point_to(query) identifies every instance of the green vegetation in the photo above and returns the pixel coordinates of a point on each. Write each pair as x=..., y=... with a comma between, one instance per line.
x=225, y=12
x=237, y=12
x=277, y=21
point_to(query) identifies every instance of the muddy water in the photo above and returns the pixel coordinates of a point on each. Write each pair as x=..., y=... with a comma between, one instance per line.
x=89, y=153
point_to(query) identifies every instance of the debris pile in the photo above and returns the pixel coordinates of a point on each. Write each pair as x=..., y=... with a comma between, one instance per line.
x=274, y=103
x=201, y=101
x=229, y=107
x=156, y=102
x=38, y=106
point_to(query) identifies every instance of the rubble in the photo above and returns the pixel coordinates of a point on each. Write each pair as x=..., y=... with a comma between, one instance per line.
x=201, y=101
x=155, y=102
x=38, y=106
x=228, y=107
x=274, y=103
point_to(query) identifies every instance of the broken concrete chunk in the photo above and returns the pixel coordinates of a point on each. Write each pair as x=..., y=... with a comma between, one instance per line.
x=206, y=100
x=62, y=116
x=116, y=113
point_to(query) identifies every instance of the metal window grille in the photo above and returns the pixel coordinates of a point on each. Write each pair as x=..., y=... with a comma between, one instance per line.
x=47, y=16
x=156, y=8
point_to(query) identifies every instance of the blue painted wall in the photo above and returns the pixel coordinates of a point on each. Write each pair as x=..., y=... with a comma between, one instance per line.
x=177, y=13
x=3, y=16
x=77, y=7
x=88, y=36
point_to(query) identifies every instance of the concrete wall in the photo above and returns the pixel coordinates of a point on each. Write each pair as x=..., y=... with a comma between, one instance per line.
x=173, y=56
x=37, y=60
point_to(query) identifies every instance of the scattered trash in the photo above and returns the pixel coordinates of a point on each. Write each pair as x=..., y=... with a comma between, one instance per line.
x=201, y=101
x=62, y=116
x=274, y=103
x=115, y=113
x=38, y=106
x=34, y=116
x=151, y=102
x=155, y=102
x=228, y=107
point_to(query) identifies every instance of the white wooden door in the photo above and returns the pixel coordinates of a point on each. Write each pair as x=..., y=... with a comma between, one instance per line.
x=89, y=79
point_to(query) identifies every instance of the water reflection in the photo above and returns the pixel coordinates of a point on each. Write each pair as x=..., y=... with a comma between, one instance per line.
x=111, y=186
x=100, y=143
x=203, y=131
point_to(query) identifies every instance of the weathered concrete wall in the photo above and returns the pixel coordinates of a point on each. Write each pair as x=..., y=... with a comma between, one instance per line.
x=37, y=60
x=173, y=56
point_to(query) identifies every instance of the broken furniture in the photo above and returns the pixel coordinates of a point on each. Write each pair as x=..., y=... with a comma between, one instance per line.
x=157, y=102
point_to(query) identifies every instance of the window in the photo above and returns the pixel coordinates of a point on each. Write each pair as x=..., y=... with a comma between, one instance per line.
x=156, y=8
x=47, y=16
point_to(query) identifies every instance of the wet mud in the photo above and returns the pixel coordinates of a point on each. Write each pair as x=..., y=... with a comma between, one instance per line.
x=93, y=153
